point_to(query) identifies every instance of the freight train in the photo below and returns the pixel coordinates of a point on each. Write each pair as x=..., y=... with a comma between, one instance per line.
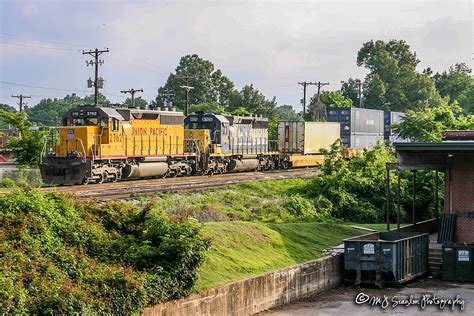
x=99, y=144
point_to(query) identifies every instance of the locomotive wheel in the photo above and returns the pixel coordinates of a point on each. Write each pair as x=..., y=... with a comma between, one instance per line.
x=85, y=181
x=116, y=177
x=101, y=179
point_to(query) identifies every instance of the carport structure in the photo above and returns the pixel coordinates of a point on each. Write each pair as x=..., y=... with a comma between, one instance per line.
x=455, y=158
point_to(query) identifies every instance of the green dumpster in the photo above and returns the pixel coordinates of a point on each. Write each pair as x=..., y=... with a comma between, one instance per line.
x=458, y=262
x=385, y=257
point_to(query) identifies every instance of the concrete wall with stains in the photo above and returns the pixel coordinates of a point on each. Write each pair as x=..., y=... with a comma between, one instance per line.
x=259, y=293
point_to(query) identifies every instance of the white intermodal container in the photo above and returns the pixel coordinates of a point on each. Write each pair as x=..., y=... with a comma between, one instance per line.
x=307, y=137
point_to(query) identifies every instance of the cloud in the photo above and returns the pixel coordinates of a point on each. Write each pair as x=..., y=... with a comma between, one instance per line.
x=29, y=10
x=270, y=44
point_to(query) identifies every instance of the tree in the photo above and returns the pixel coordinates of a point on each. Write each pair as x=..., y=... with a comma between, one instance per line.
x=139, y=103
x=287, y=113
x=209, y=84
x=209, y=107
x=241, y=111
x=393, y=82
x=8, y=108
x=350, y=90
x=50, y=111
x=254, y=101
x=427, y=125
x=28, y=146
x=457, y=84
x=334, y=99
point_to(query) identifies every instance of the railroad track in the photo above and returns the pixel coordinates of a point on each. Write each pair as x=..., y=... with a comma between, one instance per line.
x=135, y=188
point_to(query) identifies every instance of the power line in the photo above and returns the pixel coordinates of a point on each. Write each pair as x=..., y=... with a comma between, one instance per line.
x=41, y=47
x=40, y=87
x=49, y=88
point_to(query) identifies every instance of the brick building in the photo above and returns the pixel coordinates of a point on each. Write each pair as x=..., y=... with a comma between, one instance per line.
x=455, y=158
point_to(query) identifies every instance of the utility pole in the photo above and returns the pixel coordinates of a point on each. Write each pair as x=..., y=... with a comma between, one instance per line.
x=132, y=93
x=21, y=97
x=166, y=95
x=359, y=91
x=305, y=84
x=96, y=62
x=320, y=84
x=186, y=87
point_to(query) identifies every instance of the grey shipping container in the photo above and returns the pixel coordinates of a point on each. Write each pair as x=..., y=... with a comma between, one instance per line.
x=360, y=141
x=357, y=120
x=385, y=257
x=391, y=118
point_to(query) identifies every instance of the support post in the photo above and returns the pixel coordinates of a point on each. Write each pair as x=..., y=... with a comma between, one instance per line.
x=398, y=201
x=413, y=198
x=436, y=209
x=388, y=198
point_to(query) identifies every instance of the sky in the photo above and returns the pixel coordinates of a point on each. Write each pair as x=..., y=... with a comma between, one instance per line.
x=270, y=44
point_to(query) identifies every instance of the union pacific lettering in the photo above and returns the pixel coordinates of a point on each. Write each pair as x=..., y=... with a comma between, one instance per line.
x=159, y=131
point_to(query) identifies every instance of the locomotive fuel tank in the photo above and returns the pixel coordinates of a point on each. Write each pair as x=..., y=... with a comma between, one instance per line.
x=146, y=169
x=236, y=165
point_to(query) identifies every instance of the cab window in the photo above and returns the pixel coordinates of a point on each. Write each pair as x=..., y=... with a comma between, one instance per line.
x=115, y=125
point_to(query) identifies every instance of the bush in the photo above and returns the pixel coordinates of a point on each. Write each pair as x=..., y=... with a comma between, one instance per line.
x=59, y=256
x=354, y=189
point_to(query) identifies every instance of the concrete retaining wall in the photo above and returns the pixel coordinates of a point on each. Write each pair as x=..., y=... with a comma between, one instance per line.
x=259, y=293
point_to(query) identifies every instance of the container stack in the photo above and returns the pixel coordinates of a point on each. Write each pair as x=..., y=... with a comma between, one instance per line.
x=360, y=128
x=391, y=118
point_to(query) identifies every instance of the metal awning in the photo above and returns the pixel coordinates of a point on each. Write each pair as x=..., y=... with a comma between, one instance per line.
x=432, y=156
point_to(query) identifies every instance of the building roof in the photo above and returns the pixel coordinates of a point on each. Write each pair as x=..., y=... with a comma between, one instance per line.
x=432, y=156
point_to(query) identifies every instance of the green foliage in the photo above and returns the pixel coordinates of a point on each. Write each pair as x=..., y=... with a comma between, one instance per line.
x=253, y=101
x=349, y=89
x=303, y=208
x=209, y=85
x=59, y=256
x=334, y=99
x=28, y=146
x=393, y=82
x=354, y=189
x=139, y=103
x=209, y=107
x=241, y=111
x=317, y=107
x=49, y=111
x=428, y=124
x=458, y=84
x=287, y=113
x=8, y=108
x=23, y=177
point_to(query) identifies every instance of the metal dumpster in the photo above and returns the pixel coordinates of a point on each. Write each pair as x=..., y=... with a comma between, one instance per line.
x=385, y=257
x=458, y=262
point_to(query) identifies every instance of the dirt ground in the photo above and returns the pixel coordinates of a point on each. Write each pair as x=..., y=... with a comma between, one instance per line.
x=424, y=296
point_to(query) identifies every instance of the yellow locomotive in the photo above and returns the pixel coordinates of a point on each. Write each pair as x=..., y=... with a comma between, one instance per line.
x=98, y=144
